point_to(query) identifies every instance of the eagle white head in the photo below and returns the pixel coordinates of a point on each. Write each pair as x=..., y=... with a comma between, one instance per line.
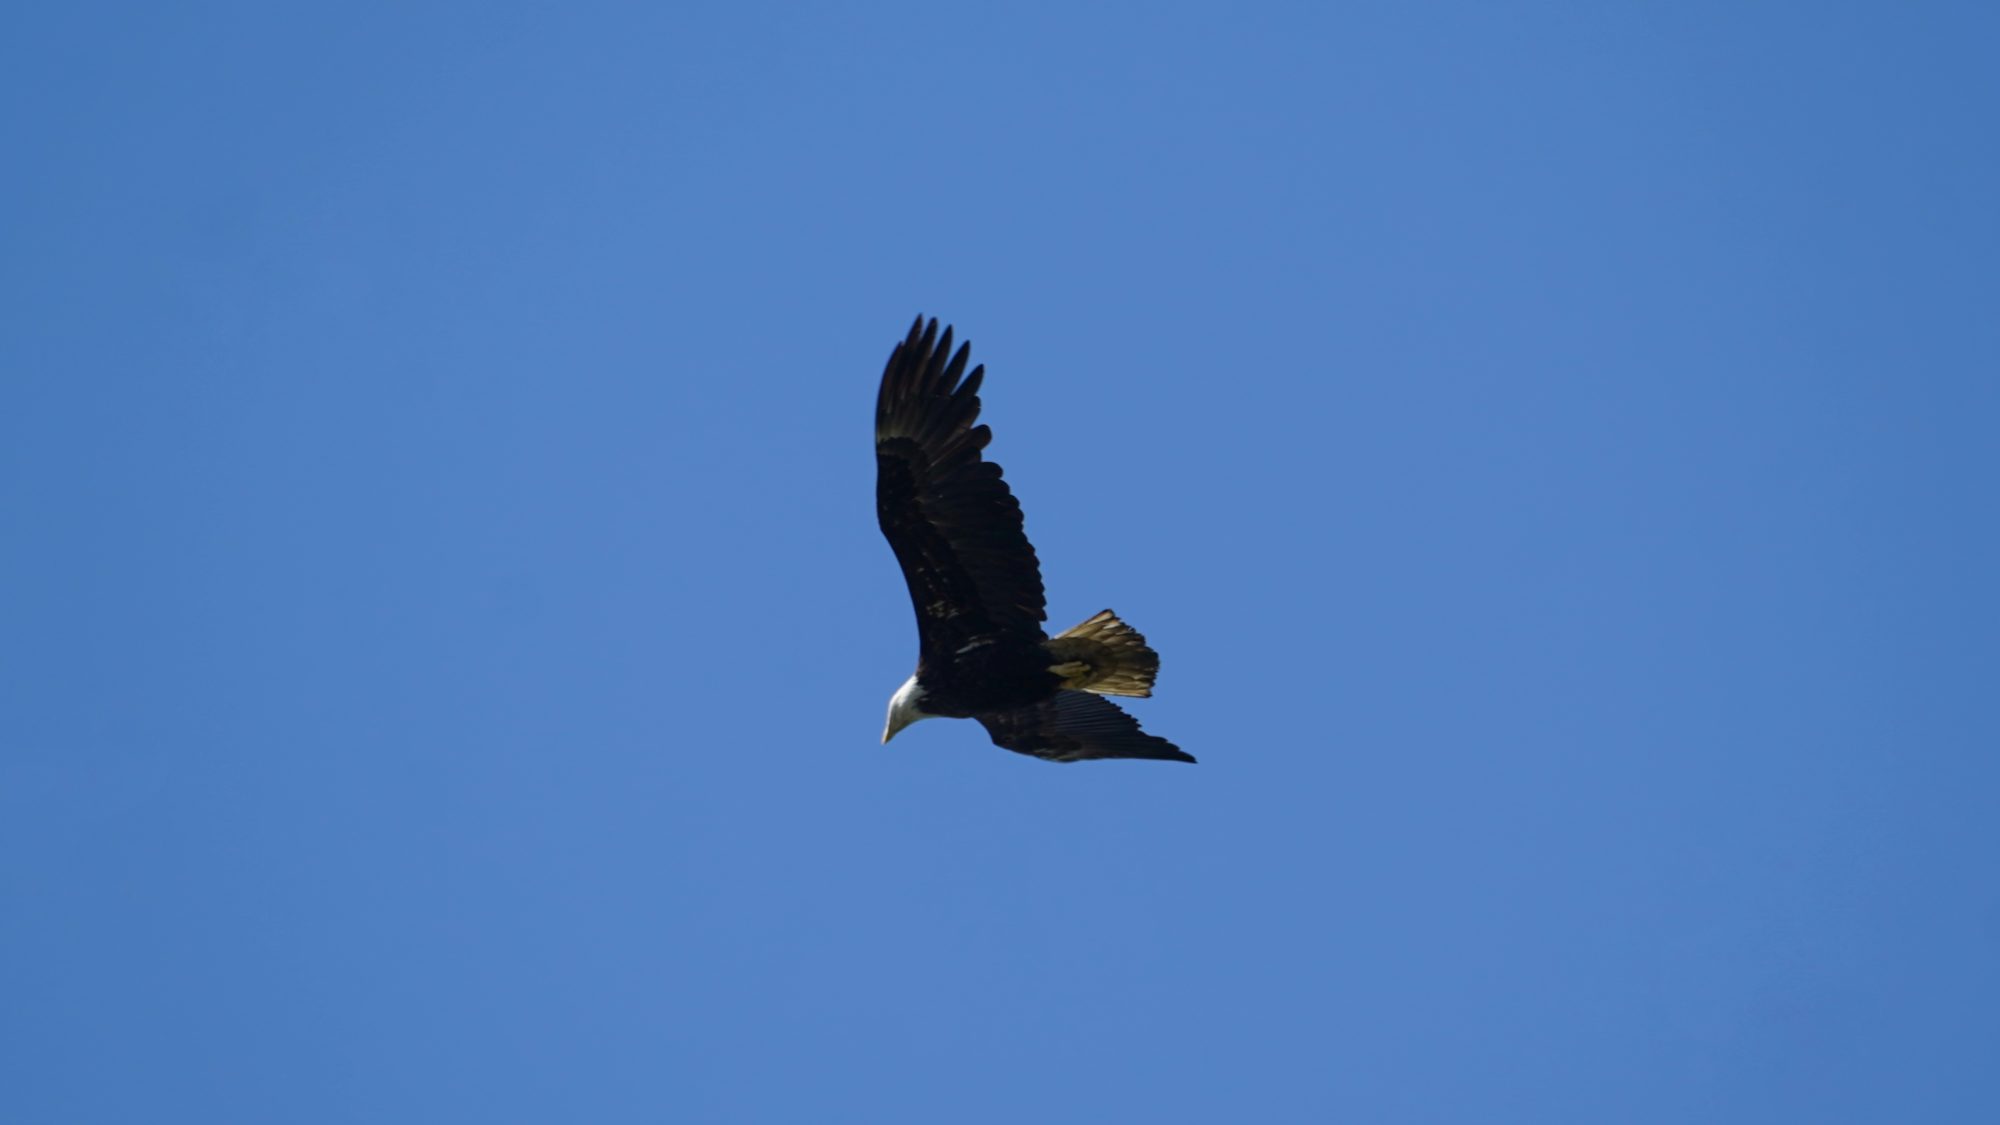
x=904, y=708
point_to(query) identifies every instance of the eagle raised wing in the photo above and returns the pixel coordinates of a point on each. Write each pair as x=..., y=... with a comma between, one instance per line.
x=953, y=524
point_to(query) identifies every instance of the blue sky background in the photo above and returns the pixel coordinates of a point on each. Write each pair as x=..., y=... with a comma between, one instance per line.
x=444, y=635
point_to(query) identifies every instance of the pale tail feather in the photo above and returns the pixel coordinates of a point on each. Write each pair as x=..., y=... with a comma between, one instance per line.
x=1106, y=656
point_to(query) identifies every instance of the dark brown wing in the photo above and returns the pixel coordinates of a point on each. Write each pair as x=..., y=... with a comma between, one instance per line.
x=955, y=528
x=1076, y=726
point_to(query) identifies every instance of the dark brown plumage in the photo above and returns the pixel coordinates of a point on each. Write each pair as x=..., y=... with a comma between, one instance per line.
x=976, y=585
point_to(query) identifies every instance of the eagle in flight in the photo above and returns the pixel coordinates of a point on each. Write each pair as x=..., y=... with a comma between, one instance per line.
x=977, y=586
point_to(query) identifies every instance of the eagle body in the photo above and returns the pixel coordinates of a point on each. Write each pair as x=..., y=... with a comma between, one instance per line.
x=976, y=583
x=990, y=677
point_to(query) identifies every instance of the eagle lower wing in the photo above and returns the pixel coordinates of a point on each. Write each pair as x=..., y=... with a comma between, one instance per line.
x=954, y=526
x=1076, y=726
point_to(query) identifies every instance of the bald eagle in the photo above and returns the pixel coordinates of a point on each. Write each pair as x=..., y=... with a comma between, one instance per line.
x=977, y=586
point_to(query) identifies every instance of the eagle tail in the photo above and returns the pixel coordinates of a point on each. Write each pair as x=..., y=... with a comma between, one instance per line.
x=1104, y=655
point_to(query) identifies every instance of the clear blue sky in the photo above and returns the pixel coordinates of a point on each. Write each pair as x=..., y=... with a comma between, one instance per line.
x=444, y=636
